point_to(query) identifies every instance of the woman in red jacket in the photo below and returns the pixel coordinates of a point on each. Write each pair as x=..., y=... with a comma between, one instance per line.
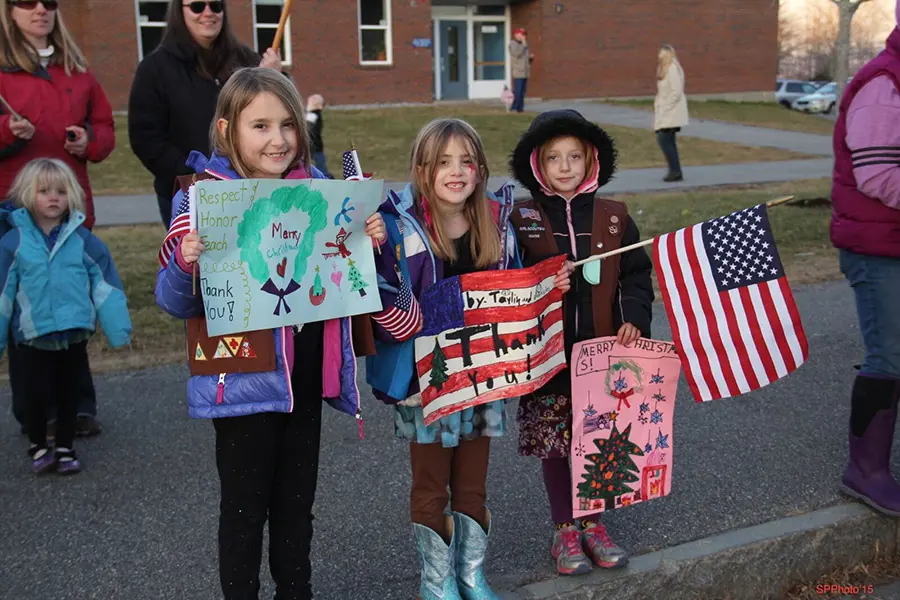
x=60, y=112
x=44, y=77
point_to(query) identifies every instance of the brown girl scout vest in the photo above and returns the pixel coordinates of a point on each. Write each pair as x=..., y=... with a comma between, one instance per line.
x=610, y=217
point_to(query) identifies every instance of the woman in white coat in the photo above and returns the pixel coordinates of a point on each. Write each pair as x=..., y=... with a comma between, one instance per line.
x=670, y=111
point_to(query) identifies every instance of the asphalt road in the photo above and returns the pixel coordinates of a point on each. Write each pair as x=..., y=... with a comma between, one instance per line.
x=140, y=522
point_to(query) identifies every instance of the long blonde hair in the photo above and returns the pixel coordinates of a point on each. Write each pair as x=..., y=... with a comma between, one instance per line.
x=240, y=90
x=666, y=58
x=17, y=53
x=484, y=239
x=42, y=173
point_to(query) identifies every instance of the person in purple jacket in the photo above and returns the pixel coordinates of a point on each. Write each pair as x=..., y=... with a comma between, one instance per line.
x=267, y=421
x=865, y=226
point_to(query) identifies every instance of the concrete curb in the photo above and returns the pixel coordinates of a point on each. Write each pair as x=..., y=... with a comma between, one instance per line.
x=756, y=562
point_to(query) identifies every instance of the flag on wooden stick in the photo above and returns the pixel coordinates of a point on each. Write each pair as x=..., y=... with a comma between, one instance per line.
x=732, y=313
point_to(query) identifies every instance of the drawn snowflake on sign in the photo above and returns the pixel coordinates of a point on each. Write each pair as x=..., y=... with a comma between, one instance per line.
x=642, y=419
x=589, y=411
x=662, y=441
x=648, y=448
x=659, y=397
x=620, y=384
x=579, y=450
x=645, y=407
x=656, y=417
x=657, y=378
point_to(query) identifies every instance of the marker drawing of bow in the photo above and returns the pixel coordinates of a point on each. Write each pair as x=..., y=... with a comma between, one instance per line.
x=270, y=288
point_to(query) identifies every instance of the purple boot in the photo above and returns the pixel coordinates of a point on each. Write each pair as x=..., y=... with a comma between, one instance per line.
x=873, y=416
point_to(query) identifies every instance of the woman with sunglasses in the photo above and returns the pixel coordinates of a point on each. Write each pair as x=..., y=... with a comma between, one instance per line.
x=39, y=65
x=175, y=89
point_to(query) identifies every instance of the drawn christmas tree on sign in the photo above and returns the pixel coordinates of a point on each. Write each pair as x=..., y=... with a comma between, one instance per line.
x=611, y=469
x=438, y=367
x=357, y=284
x=317, y=292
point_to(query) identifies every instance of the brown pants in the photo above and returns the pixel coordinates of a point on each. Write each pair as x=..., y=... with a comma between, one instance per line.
x=434, y=468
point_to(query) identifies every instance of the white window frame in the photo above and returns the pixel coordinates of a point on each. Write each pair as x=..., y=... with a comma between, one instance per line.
x=286, y=60
x=148, y=24
x=386, y=28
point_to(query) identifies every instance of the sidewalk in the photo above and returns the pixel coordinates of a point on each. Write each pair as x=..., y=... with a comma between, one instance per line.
x=805, y=143
x=142, y=209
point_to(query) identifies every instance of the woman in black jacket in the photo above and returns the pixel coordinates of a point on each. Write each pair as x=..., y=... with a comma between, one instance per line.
x=174, y=93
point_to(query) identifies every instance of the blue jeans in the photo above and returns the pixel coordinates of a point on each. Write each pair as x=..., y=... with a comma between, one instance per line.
x=876, y=283
x=520, y=84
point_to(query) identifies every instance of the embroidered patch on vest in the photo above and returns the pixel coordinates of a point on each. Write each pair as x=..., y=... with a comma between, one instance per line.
x=530, y=213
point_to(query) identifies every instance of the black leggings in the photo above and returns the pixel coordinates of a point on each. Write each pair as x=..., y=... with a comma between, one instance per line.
x=268, y=465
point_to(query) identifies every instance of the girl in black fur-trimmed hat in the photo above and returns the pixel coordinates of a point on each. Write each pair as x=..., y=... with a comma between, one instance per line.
x=563, y=159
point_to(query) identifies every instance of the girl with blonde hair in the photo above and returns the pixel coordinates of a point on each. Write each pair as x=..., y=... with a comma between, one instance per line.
x=670, y=110
x=267, y=420
x=444, y=223
x=58, y=280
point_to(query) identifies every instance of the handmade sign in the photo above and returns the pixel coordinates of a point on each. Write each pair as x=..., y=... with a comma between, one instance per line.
x=285, y=252
x=488, y=336
x=622, y=405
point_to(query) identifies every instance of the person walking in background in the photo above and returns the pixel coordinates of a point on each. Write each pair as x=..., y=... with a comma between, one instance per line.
x=315, y=104
x=40, y=64
x=521, y=67
x=57, y=279
x=174, y=93
x=865, y=227
x=670, y=110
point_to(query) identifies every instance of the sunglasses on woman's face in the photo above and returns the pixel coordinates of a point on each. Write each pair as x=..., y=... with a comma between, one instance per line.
x=32, y=4
x=198, y=7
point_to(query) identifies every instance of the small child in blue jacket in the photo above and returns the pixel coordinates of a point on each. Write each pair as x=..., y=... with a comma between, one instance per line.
x=56, y=280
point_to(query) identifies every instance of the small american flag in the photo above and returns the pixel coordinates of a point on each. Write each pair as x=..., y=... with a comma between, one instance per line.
x=181, y=225
x=403, y=319
x=349, y=162
x=733, y=316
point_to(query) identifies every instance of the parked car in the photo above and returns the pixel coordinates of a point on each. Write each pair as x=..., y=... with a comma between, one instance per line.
x=788, y=90
x=820, y=101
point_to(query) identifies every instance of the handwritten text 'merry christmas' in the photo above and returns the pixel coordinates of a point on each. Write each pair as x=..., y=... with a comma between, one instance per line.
x=594, y=356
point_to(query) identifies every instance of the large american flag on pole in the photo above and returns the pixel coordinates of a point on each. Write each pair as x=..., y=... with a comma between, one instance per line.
x=181, y=225
x=733, y=316
x=488, y=336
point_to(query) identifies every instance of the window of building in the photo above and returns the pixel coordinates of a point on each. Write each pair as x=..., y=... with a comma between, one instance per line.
x=375, y=32
x=151, y=15
x=267, y=14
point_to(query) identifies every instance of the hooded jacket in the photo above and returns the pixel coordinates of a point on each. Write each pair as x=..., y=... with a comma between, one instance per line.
x=236, y=394
x=571, y=222
x=170, y=111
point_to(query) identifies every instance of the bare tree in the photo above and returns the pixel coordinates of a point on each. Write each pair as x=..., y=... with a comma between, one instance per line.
x=846, y=10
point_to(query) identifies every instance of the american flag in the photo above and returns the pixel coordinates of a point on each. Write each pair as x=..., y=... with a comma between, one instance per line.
x=733, y=316
x=489, y=336
x=181, y=225
x=402, y=320
x=349, y=160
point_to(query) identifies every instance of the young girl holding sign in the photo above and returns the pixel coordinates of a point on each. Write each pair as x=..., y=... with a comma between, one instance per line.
x=444, y=223
x=265, y=407
x=563, y=159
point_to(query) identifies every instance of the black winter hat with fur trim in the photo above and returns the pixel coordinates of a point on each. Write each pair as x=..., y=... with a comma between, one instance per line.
x=559, y=123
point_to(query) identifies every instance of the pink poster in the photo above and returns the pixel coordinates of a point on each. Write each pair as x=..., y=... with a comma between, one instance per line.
x=623, y=400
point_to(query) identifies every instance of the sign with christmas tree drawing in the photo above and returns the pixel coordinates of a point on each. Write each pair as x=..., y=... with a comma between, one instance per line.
x=284, y=252
x=488, y=336
x=623, y=400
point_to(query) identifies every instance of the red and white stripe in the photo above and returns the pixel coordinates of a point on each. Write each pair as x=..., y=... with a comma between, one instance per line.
x=731, y=342
x=400, y=323
x=178, y=229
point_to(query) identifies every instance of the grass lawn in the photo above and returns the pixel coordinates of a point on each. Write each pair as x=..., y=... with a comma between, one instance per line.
x=760, y=114
x=802, y=235
x=384, y=137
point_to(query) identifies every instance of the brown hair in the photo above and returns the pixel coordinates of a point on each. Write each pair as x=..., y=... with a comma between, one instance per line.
x=590, y=161
x=240, y=90
x=17, y=53
x=226, y=54
x=46, y=172
x=666, y=58
x=424, y=161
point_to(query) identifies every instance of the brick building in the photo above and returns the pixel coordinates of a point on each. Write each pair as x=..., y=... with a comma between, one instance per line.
x=372, y=51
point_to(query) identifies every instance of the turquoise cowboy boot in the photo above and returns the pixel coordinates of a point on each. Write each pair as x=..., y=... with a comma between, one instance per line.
x=472, y=543
x=436, y=563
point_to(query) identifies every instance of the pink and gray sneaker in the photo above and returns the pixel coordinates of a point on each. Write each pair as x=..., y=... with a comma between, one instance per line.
x=604, y=552
x=567, y=551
